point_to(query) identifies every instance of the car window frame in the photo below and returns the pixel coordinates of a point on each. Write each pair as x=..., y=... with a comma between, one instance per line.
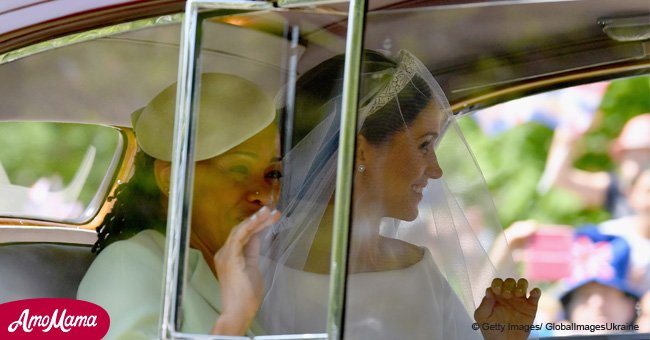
x=117, y=172
x=460, y=108
x=183, y=140
x=182, y=164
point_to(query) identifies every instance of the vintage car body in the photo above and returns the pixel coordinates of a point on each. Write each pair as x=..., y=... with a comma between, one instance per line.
x=81, y=63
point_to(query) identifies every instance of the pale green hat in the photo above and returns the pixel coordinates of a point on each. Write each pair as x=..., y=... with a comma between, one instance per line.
x=231, y=110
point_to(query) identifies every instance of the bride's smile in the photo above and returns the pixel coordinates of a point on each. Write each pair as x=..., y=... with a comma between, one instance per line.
x=398, y=171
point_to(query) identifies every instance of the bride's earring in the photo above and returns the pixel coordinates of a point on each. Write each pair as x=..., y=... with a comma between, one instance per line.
x=361, y=168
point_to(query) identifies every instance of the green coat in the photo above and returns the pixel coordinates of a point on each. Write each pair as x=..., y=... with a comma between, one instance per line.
x=126, y=279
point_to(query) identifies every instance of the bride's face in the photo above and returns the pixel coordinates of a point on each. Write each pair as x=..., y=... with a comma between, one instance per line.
x=398, y=170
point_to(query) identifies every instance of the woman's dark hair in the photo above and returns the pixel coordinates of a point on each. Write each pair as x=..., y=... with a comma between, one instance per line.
x=318, y=86
x=137, y=206
x=398, y=113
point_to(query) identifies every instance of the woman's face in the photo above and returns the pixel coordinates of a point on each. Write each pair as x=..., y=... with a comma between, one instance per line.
x=397, y=171
x=232, y=186
x=595, y=303
x=639, y=195
x=633, y=162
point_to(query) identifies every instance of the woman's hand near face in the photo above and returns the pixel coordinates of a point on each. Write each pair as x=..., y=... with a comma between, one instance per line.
x=505, y=305
x=239, y=276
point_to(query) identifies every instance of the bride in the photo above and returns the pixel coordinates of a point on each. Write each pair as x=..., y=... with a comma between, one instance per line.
x=417, y=266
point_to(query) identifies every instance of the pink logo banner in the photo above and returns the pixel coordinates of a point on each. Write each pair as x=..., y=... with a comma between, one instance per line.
x=49, y=318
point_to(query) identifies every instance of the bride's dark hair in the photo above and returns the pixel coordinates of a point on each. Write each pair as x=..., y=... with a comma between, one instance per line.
x=398, y=113
x=318, y=86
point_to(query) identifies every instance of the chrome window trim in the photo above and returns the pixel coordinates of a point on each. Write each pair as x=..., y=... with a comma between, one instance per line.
x=88, y=35
x=312, y=336
x=104, y=187
x=192, y=336
x=307, y=3
x=345, y=169
x=478, y=102
x=179, y=214
x=182, y=174
x=20, y=234
x=94, y=206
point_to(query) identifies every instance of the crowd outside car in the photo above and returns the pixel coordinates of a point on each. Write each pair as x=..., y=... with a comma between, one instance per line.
x=594, y=290
x=635, y=229
x=630, y=151
x=619, y=275
x=597, y=296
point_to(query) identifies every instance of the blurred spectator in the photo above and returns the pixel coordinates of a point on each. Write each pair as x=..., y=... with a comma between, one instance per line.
x=543, y=249
x=595, y=289
x=635, y=229
x=630, y=151
x=597, y=292
x=643, y=320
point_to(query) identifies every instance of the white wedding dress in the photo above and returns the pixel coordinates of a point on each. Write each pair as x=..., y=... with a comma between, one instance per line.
x=411, y=303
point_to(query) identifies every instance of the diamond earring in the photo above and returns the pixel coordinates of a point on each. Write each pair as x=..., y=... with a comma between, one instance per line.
x=362, y=168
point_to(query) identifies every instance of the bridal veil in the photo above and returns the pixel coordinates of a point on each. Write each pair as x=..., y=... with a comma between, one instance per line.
x=456, y=224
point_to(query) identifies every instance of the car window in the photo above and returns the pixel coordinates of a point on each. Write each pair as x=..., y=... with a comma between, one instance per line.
x=67, y=144
x=181, y=137
x=56, y=171
x=415, y=188
x=233, y=181
x=424, y=225
x=548, y=139
x=121, y=80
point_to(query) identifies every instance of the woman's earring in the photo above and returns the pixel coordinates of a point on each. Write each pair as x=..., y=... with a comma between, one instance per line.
x=362, y=168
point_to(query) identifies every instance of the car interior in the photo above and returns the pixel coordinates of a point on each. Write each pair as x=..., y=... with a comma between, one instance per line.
x=83, y=86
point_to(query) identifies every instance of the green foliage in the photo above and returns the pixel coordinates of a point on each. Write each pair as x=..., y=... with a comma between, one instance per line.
x=35, y=150
x=513, y=161
x=624, y=99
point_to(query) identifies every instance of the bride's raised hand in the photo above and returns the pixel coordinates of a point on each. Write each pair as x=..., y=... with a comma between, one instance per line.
x=239, y=277
x=506, y=312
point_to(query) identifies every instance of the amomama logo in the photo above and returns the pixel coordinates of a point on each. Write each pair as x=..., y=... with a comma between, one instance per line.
x=52, y=319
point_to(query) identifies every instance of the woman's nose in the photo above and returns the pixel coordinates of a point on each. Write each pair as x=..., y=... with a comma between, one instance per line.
x=264, y=194
x=596, y=300
x=433, y=168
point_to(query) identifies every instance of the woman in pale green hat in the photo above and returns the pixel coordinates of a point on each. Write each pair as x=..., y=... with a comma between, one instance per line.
x=236, y=183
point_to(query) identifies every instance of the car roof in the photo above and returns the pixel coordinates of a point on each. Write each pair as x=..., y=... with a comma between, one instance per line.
x=472, y=47
x=23, y=22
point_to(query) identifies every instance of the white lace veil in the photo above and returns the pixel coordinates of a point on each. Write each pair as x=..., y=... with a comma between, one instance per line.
x=456, y=221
